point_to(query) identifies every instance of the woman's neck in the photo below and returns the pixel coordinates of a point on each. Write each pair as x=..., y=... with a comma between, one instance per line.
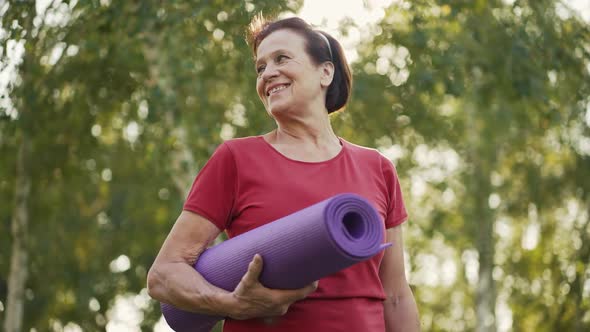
x=312, y=132
x=309, y=139
x=310, y=127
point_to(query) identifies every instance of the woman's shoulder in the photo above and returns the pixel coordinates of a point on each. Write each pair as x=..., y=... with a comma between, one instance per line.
x=367, y=154
x=243, y=145
x=363, y=151
x=240, y=142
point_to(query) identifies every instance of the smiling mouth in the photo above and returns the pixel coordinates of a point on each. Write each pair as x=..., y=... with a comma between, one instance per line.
x=277, y=89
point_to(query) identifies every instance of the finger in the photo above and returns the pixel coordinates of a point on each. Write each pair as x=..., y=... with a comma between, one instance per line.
x=311, y=287
x=254, y=270
x=300, y=294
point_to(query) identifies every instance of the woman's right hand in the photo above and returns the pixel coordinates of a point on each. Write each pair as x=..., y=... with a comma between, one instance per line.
x=253, y=300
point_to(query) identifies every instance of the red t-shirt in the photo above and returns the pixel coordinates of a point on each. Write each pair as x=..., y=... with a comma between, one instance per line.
x=248, y=183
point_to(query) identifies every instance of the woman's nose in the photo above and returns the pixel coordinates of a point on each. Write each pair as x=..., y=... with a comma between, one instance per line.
x=269, y=72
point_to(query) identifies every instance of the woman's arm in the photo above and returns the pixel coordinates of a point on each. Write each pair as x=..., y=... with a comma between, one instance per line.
x=400, y=310
x=173, y=280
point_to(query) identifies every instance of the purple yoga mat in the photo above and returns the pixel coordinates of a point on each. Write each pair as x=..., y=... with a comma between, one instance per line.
x=296, y=250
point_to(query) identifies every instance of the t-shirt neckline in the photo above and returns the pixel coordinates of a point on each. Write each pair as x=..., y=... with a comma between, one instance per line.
x=277, y=152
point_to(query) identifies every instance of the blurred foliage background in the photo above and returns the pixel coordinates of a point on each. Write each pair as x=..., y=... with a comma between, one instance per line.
x=108, y=109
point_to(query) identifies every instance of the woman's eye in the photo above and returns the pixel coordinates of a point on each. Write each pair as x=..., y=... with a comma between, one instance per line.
x=281, y=58
x=259, y=69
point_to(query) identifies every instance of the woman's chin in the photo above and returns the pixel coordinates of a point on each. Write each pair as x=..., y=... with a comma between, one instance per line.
x=277, y=110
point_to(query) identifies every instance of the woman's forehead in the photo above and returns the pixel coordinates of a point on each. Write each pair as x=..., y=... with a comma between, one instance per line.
x=281, y=39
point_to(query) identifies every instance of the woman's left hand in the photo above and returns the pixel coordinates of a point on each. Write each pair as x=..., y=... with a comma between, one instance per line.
x=253, y=300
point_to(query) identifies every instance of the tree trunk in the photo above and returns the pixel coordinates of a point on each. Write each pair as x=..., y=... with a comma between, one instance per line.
x=480, y=150
x=577, y=286
x=19, y=256
x=485, y=295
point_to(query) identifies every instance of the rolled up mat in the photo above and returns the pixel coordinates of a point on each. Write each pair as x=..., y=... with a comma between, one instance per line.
x=296, y=250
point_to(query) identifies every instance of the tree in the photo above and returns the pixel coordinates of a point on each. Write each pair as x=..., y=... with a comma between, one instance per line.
x=478, y=95
x=120, y=103
x=483, y=105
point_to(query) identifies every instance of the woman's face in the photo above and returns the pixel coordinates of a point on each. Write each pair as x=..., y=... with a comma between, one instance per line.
x=287, y=77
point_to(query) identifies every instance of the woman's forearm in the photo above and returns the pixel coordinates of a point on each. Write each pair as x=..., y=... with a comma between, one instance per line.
x=172, y=278
x=180, y=285
x=401, y=313
x=183, y=287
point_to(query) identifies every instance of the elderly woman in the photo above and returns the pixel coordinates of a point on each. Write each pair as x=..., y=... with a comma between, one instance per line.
x=302, y=77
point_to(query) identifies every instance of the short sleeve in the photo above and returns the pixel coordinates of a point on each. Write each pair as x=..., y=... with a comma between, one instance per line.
x=396, y=210
x=212, y=194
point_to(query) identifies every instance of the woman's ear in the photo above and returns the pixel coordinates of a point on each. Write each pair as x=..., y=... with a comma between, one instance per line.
x=327, y=69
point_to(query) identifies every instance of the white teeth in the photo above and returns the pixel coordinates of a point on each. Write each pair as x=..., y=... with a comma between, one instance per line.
x=275, y=89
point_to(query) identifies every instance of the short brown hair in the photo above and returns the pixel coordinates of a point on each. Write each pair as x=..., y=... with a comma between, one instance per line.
x=316, y=47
